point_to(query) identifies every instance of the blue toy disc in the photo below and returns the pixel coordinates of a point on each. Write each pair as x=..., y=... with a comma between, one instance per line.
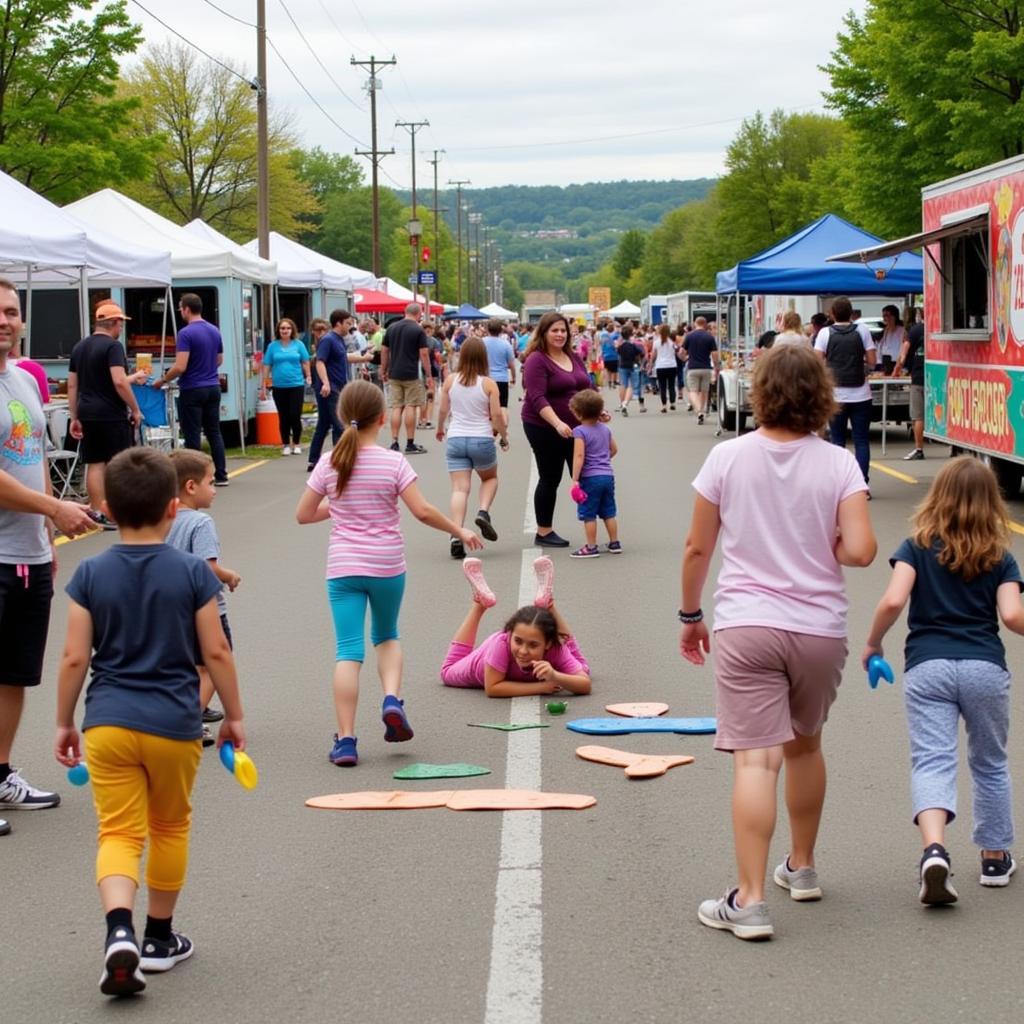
x=620, y=726
x=227, y=756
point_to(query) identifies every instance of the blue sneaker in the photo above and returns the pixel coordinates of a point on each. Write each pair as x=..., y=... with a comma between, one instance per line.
x=343, y=753
x=397, y=728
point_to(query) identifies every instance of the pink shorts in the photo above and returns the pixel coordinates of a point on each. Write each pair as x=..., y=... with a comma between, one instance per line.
x=459, y=668
x=772, y=685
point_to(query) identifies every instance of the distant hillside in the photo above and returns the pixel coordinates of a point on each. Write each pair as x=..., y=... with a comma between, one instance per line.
x=577, y=225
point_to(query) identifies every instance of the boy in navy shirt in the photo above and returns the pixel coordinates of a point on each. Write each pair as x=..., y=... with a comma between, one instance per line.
x=142, y=716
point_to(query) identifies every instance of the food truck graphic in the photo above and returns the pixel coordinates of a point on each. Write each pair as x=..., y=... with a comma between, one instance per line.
x=973, y=243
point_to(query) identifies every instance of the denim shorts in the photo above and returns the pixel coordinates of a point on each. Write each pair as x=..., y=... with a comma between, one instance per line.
x=629, y=377
x=470, y=453
x=600, y=503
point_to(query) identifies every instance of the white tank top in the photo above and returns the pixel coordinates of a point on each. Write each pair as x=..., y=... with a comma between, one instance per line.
x=471, y=410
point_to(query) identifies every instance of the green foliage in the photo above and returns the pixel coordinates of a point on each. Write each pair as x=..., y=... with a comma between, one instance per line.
x=63, y=132
x=630, y=253
x=443, y=259
x=346, y=232
x=205, y=117
x=326, y=175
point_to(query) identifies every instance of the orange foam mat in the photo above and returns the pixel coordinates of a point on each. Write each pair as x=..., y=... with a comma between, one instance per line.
x=517, y=800
x=638, y=766
x=456, y=800
x=651, y=710
x=386, y=800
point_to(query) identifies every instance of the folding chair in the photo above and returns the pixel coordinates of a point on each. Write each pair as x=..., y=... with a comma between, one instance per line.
x=156, y=431
x=66, y=471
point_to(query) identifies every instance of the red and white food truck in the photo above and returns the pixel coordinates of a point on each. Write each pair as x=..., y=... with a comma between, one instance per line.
x=973, y=242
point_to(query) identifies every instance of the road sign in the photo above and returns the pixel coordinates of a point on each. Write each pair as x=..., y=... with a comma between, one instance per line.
x=412, y=279
x=428, y=277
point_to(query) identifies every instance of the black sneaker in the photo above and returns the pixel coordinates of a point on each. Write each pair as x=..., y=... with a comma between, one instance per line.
x=412, y=448
x=483, y=524
x=996, y=871
x=395, y=447
x=159, y=956
x=101, y=520
x=550, y=540
x=17, y=795
x=121, y=975
x=221, y=482
x=936, y=888
x=212, y=715
x=208, y=740
x=458, y=549
x=700, y=419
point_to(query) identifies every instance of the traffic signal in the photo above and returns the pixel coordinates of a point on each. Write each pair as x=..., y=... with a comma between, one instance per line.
x=425, y=255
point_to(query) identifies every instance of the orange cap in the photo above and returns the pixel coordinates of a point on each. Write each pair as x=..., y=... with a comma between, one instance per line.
x=110, y=311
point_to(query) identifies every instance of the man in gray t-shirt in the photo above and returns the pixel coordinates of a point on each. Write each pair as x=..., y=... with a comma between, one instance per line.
x=28, y=511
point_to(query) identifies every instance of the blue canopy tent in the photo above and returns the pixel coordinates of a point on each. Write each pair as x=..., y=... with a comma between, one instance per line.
x=466, y=312
x=799, y=265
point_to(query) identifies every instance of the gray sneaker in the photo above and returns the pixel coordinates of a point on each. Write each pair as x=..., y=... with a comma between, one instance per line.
x=749, y=923
x=17, y=795
x=802, y=883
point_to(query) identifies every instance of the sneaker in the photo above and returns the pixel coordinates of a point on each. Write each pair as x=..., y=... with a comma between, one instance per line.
x=395, y=447
x=550, y=540
x=208, y=740
x=587, y=551
x=397, y=728
x=625, y=411
x=663, y=409
x=101, y=520
x=483, y=524
x=802, y=883
x=914, y=455
x=749, y=923
x=936, y=888
x=211, y=714
x=159, y=956
x=17, y=795
x=121, y=975
x=671, y=408
x=996, y=871
x=412, y=448
x=425, y=425
x=222, y=482
x=700, y=419
x=286, y=450
x=343, y=753
x=458, y=549
x=614, y=547
x=296, y=449
x=473, y=570
x=643, y=408
x=544, y=570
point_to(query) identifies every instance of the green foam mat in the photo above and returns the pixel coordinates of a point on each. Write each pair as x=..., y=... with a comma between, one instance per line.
x=440, y=771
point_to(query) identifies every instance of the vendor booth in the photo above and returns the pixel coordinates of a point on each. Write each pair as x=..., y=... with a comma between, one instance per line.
x=368, y=300
x=498, y=311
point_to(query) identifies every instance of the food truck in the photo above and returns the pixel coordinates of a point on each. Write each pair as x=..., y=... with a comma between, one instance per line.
x=973, y=241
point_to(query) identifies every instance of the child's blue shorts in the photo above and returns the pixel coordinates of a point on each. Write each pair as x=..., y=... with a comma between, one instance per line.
x=600, y=503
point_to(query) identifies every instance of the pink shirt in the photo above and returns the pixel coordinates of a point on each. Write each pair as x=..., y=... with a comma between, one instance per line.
x=778, y=502
x=365, y=536
x=495, y=651
x=35, y=370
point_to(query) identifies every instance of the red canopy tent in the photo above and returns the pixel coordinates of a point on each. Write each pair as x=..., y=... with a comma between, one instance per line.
x=369, y=301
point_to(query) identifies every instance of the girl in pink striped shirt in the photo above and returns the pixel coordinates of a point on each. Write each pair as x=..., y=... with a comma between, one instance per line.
x=357, y=486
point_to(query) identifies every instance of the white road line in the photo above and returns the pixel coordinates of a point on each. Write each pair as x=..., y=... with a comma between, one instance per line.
x=529, y=519
x=516, y=981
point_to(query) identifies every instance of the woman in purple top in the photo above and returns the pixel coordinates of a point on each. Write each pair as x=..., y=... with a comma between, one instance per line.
x=552, y=374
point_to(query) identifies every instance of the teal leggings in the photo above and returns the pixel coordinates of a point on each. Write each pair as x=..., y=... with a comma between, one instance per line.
x=348, y=596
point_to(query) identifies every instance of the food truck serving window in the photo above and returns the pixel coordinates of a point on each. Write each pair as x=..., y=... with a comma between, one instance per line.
x=966, y=281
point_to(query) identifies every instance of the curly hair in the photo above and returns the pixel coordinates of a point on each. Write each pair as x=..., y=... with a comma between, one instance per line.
x=964, y=513
x=792, y=390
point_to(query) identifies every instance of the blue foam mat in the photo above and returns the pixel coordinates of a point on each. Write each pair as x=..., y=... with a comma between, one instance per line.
x=620, y=726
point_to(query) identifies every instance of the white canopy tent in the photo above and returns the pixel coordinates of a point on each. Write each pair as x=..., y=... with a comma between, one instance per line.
x=493, y=309
x=624, y=308
x=301, y=267
x=267, y=268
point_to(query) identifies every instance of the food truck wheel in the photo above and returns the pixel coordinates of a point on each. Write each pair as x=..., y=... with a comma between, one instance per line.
x=726, y=416
x=1009, y=475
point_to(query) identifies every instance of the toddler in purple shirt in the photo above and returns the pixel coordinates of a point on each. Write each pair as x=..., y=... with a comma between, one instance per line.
x=593, y=483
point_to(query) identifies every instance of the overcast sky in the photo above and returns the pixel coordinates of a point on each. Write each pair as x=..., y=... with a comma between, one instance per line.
x=531, y=92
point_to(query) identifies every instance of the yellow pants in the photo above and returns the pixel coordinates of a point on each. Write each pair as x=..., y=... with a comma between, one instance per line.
x=142, y=786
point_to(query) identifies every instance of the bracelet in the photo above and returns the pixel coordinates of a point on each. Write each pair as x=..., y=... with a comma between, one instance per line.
x=689, y=618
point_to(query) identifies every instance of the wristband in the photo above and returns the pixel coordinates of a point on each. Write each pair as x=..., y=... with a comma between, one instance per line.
x=689, y=618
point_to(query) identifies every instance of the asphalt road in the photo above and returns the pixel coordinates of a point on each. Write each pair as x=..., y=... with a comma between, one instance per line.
x=436, y=916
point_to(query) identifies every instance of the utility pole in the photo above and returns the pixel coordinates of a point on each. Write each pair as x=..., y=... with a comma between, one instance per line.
x=437, y=236
x=474, y=292
x=415, y=227
x=458, y=210
x=262, y=162
x=374, y=153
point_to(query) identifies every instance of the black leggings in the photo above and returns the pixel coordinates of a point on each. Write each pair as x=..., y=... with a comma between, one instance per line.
x=552, y=452
x=667, y=383
x=289, y=413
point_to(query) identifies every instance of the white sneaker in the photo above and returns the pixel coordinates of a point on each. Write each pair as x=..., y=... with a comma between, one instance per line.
x=286, y=450
x=296, y=449
x=17, y=795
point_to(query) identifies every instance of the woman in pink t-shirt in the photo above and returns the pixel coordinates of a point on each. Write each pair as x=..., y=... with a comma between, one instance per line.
x=357, y=486
x=535, y=653
x=780, y=617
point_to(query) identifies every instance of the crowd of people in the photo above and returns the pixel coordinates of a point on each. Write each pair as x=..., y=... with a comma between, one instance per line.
x=780, y=616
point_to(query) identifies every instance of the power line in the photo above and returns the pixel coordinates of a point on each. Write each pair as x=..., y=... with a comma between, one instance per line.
x=337, y=28
x=228, y=14
x=323, y=67
x=188, y=42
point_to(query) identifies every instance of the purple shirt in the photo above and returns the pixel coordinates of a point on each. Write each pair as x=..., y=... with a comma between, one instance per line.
x=548, y=385
x=597, y=449
x=203, y=343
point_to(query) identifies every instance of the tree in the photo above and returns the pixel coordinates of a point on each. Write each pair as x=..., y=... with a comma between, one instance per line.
x=630, y=253
x=62, y=131
x=929, y=88
x=346, y=233
x=398, y=264
x=205, y=116
x=326, y=175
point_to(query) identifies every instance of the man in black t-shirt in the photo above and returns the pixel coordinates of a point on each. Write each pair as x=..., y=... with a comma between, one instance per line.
x=404, y=351
x=103, y=409
x=912, y=357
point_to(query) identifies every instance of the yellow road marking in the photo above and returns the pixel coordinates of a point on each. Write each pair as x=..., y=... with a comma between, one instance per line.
x=894, y=473
x=90, y=533
x=1016, y=527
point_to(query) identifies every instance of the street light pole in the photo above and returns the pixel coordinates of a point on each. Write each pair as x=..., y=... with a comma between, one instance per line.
x=414, y=224
x=458, y=254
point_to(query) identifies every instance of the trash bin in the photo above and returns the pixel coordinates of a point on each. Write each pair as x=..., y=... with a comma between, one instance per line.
x=267, y=429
